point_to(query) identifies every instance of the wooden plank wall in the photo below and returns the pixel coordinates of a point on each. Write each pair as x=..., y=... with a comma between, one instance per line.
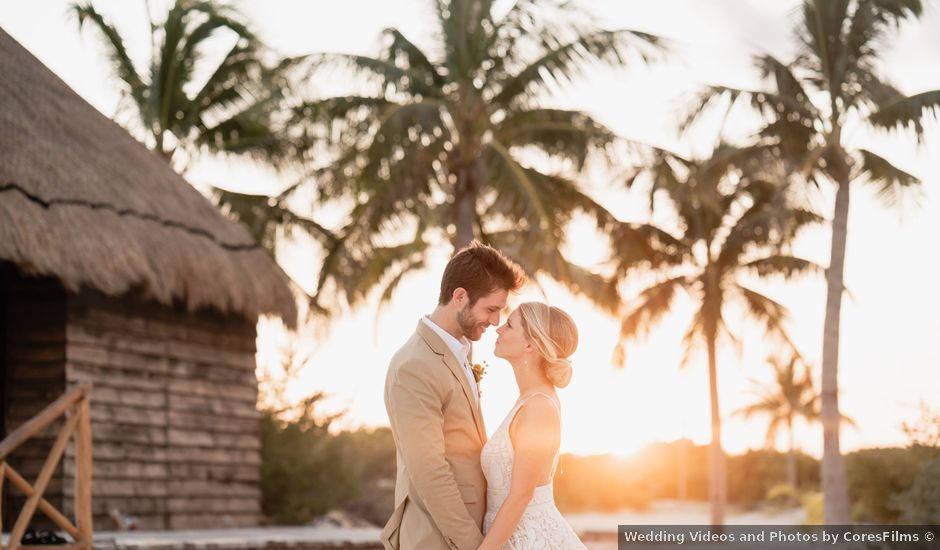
x=34, y=376
x=176, y=442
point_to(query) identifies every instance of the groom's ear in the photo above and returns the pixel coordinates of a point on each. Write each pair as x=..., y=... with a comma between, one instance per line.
x=459, y=295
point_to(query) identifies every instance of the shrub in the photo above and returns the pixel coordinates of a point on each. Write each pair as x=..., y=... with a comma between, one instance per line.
x=920, y=505
x=877, y=477
x=752, y=475
x=781, y=495
x=813, y=505
x=306, y=471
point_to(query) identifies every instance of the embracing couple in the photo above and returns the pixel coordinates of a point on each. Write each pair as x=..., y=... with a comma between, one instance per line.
x=455, y=489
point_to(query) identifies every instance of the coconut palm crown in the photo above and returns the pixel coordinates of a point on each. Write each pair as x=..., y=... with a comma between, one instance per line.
x=458, y=141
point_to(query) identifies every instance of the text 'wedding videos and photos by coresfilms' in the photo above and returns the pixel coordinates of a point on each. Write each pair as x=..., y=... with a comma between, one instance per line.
x=893, y=537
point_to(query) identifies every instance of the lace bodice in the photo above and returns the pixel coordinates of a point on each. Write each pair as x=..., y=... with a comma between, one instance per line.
x=541, y=526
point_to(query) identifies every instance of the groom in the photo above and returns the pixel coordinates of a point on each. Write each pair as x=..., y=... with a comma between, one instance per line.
x=433, y=404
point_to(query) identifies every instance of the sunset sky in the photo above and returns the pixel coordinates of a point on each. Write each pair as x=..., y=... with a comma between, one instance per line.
x=890, y=324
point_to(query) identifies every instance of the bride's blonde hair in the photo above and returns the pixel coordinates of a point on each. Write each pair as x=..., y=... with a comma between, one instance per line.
x=555, y=337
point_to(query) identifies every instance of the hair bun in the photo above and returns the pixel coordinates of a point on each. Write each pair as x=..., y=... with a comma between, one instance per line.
x=558, y=372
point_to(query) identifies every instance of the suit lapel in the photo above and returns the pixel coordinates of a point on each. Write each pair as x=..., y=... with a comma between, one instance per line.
x=447, y=357
x=458, y=371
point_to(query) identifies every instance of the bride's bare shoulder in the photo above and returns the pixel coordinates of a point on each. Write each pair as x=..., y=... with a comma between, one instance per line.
x=539, y=414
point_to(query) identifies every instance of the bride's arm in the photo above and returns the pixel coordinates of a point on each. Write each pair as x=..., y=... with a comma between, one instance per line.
x=535, y=441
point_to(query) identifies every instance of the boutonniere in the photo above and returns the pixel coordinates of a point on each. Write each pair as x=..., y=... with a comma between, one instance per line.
x=478, y=372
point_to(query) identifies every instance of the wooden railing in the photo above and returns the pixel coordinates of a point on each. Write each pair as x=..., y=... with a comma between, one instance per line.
x=74, y=406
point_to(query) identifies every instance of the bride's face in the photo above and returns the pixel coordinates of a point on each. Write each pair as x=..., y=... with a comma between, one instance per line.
x=511, y=341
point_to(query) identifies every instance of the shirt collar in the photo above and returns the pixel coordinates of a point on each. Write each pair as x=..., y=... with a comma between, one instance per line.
x=460, y=348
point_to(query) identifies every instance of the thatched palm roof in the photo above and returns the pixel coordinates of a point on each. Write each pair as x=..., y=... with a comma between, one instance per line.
x=83, y=201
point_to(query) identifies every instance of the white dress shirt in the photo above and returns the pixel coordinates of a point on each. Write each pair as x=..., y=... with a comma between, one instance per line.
x=460, y=349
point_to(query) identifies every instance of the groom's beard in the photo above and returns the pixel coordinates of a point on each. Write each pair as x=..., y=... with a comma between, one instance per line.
x=471, y=328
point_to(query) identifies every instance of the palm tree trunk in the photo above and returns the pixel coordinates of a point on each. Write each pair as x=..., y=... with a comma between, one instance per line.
x=791, y=457
x=465, y=205
x=717, y=491
x=836, y=509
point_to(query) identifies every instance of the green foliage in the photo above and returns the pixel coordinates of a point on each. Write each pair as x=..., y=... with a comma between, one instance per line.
x=430, y=145
x=813, y=506
x=735, y=221
x=781, y=495
x=187, y=103
x=920, y=505
x=753, y=475
x=878, y=478
x=231, y=111
x=307, y=471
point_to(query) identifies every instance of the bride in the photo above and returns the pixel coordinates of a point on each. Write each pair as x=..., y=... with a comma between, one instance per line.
x=519, y=460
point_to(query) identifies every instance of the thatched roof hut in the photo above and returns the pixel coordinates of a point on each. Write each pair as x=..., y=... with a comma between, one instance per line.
x=113, y=270
x=82, y=201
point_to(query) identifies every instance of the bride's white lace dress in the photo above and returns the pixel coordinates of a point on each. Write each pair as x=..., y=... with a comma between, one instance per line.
x=542, y=525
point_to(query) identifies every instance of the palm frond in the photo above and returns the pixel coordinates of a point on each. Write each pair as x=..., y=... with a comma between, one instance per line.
x=770, y=220
x=346, y=121
x=414, y=57
x=694, y=329
x=246, y=132
x=766, y=311
x=411, y=265
x=651, y=305
x=788, y=86
x=537, y=255
x=357, y=267
x=503, y=167
x=563, y=63
x=262, y=215
x=117, y=50
x=565, y=134
x=907, y=112
x=865, y=37
x=461, y=23
x=784, y=112
x=893, y=183
x=644, y=246
x=390, y=76
x=228, y=87
x=767, y=405
x=821, y=34
x=782, y=265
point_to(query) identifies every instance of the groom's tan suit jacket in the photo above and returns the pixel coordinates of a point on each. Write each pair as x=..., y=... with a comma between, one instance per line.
x=440, y=491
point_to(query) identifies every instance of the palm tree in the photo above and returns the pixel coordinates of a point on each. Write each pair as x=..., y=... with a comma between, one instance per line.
x=732, y=223
x=790, y=396
x=834, y=87
x=185, y=105
x=456, y=142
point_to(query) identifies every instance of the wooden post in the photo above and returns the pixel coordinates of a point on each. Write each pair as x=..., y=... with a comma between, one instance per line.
x=19, y=529
x=83, y=459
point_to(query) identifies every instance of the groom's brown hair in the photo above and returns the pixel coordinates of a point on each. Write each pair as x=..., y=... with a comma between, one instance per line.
x=480, y=269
